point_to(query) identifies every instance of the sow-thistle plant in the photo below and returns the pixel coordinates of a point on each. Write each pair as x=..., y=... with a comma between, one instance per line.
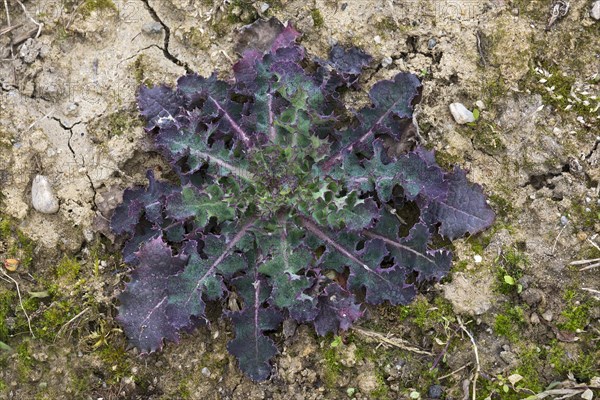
x=286, y=198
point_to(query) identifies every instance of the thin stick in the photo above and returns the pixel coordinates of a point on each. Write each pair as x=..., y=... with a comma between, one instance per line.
x=12, y=54
x=7, y=13
x=556, y=240
x=20, y=301
x=39, y=25
x=455, y=371
x=475, y=350
x=70, y=321
x=399, y=343
x=8, y=29
x=591, y=290
x=583, y=262
x=40, y=119
x=555, y=392
x=590, y=267
x=594, y=243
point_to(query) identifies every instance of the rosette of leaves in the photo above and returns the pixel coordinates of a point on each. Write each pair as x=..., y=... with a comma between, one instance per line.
x=287, y=199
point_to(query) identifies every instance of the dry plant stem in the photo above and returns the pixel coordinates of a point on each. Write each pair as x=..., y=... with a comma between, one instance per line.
x=7, y=13
x=62, y=328
x=594, y=243
x=583, y=262
x=391, y=341
x=455, y=371
x=476, y=351
x=20, y=302
x=555, y=392
x=39, y=25
x=556, y=240
x=12, y=55
x=590, y=267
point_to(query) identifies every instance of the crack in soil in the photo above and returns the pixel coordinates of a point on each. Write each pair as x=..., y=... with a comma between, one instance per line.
x=71, y=133
x=165, y=48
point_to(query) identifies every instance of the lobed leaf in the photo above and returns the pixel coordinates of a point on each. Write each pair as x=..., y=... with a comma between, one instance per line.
x=285, y=197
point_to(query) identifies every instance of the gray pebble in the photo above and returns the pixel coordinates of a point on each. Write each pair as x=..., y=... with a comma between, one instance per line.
x=206, y=372
x=42, y=195
x=435, y=391
x=431, y=43
x=386, y=62
x=152, y=28
x=548, y=315
x=532, y=296
x=289, y=328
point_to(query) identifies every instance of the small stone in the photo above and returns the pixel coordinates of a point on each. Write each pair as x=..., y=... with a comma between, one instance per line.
x=548, y=315
x=509, y=357
x=206, y=372
x=595, y=11
x=587, y=395
x=152, y=28
x=431, y=43
x=435, y=391
x=532, y=296
x=42, y=196
x=535, y=319
x=289, y=328
x=564, y=220
x=264, y=7
x=461, y=114
x=72, y=109
x=480, y=104
x=515, y=11
x=386, y=62
x=377, y=39
x=581, y=236
x=477, y=258
x=30, y=50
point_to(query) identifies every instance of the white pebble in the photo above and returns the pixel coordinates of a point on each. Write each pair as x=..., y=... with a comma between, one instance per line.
x=461, y=114
x=377, y=39
x=42, y=196
x=595, y=11
x=477, y=258
x=386, y=62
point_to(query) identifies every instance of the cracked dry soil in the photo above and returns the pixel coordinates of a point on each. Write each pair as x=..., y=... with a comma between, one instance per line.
x=67, y=111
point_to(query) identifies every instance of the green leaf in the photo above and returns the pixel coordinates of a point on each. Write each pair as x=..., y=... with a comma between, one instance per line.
x=190, y=202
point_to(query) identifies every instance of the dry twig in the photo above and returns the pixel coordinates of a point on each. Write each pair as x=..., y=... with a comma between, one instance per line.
x=20, y=301
x=476, y=351
x=456, y=371
x=62, y=328
x=555, y=392
x=38, y=24
x=390, y=341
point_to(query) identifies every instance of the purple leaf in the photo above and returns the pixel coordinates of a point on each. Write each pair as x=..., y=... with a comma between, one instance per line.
x=412, y=252
x=142, y=312
x=251, y=347
x=158, y=104
x=463, y=210
x=285, y=199
x=337, y=310
x=391, y=100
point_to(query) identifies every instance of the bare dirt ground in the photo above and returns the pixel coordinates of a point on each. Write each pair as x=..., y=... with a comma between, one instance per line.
x=514, y=319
